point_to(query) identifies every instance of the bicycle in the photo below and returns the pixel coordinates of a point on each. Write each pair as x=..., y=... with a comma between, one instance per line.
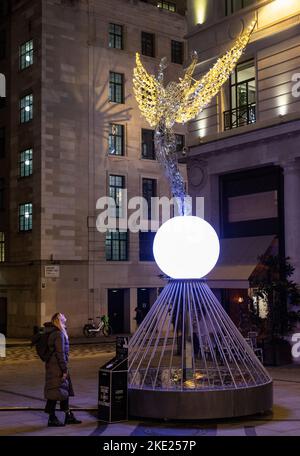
x=91, y=329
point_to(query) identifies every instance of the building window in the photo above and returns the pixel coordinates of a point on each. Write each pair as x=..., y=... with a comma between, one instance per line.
x=177, y=52
x=148, y=149
x=2, y=247
x=169, y=6
x=146, y=245
x=2, y=194
x=2, y=142
x=180, y=142
x=116, y=245
x=25, y=217
x=116, y=87
x=116, y=139
x=242, y=96
x=115, y=36
x=231, y=6
x=26, y=108
x=148, y=44
x=26, y=55
x=26, y=163
x=2, y=44
x=149, y=191
x=116, y=187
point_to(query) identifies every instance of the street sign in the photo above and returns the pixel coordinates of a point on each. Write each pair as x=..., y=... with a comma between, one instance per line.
x=52, y=270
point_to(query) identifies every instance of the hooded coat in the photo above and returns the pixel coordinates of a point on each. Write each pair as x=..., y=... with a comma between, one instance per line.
x=57, y=388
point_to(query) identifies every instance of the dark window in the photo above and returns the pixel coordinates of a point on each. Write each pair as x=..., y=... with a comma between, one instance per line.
x=116, y=185
x=180, y=142
x=146, y=245
x=177, y=52
x=169, y=6
x=115, y=36
x=2, y=247
x=231, y=6
x=116, y=139
x=25, y=217
x=2, y=142
x=242, y=96
x=2, y=44
x=148, y=44
x=148, y=149
x=116, y=87
x=26, y=108
x=116, y=245
x=26, y=55
x=2, y=194
x=26, y=163
x=251, y=202
x=149, y=191
x=4, y=8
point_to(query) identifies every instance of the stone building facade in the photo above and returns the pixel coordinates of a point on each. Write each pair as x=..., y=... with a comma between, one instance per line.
x=73, y=133
x=244, y=155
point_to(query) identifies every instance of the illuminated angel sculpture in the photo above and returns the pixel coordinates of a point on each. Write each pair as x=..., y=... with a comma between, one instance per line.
x=179, y=102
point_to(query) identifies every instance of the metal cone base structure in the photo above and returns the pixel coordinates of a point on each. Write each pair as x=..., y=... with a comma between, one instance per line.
x=187, y=360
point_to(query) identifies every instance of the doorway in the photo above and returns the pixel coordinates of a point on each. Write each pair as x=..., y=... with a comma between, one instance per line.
x=116, y=309
x=3, y=316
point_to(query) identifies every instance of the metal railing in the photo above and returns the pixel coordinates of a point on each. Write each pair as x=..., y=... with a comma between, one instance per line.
x=238, y=117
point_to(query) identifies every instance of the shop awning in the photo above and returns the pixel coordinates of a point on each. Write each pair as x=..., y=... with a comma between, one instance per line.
x=238, y=259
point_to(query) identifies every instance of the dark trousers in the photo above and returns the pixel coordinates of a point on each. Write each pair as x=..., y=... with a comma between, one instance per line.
x=51, y=405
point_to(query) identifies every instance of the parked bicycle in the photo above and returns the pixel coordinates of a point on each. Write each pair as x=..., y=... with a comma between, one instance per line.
x=91, y=329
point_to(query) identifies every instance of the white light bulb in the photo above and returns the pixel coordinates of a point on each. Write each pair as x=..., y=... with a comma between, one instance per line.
x=27, y=108
x=28, y=58
x=27, y=162
x=26, y=215
x=186, y=247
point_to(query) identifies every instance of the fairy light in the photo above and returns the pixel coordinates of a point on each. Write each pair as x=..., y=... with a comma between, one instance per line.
x=180, y=102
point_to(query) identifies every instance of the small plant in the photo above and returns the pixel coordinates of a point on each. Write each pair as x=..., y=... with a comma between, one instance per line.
x=276, y=287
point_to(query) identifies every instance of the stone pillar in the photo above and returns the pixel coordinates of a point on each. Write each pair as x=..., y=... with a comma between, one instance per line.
x=292, y=214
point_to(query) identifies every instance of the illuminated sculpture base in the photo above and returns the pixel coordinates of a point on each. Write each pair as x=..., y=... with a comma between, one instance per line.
x=187, y=360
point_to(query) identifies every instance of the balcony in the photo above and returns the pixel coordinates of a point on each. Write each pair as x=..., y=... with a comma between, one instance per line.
x=239, y=117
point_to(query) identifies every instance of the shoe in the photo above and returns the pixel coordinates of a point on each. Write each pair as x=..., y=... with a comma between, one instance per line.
x=70, y=419
x=54, y=422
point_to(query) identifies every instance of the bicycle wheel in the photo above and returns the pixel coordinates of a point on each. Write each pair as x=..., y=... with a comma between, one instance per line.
x=107, y=330
x=87, y=330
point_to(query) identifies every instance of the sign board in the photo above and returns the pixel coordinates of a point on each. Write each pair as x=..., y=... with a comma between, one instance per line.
x=52, y=270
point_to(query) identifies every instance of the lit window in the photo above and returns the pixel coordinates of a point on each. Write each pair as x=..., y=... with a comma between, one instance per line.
x=26, y=163
x=26, y=55
x=116, y=139
x=169, y=6
x=116, y=87
x=115, y=36
x=116, y=245
x=25, y=217
x=2, y=247
x=26, y=108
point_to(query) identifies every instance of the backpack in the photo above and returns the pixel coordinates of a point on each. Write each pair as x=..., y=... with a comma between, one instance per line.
x=40, y=342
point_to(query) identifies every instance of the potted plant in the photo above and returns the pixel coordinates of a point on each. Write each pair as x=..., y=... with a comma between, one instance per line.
x=275, y=287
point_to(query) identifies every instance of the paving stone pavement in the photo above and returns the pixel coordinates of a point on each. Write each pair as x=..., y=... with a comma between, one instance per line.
x=22, y=380
x=25, y=353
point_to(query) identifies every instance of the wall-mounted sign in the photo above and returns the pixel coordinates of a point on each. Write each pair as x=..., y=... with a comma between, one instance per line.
x=52, y=270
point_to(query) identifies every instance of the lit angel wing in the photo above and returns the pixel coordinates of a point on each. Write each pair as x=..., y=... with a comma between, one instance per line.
x=146, y=89
x=195, y=95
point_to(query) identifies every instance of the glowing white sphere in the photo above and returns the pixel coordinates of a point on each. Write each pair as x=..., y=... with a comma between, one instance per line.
x=186, y=247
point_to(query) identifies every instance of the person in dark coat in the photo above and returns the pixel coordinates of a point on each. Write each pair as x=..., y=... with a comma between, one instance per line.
x=58, y=384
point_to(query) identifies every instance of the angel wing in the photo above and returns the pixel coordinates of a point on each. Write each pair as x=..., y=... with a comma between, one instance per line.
x=146, y=89
x=197, y=94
